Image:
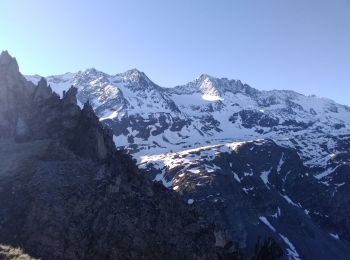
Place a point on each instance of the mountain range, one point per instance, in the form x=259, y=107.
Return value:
x=207, y=110
x=266, y=166
x=261, y=163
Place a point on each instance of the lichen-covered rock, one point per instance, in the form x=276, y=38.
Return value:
x=10, y=253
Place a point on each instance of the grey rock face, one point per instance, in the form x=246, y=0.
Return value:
x=91, y=139
x=251, y=118
x=42, y=91
x=21, y=131
x=70, y=97
x=13, y=93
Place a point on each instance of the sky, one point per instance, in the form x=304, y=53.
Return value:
x=272, y=44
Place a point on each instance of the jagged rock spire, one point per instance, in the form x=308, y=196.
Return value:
x=14, y=90
x=38, y=113
x=70, y=97
x=88, y=109
x=8, y=64
x=42, y=91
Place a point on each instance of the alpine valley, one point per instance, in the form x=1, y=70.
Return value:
x=270, y=166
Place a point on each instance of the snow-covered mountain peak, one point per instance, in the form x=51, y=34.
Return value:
x=213, y=89
x=203, y=77
x=90, y=71
x=133, y=74
x=137, y=85
x=90, y=74
x=204, y=84
x=136, y=80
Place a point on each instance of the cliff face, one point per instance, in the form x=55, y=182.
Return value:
x=13, y=94
x=29, y=112
x=66, y=193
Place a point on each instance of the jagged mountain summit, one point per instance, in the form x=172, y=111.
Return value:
x=261, y=163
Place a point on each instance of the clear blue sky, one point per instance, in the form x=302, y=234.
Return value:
x=302, y=45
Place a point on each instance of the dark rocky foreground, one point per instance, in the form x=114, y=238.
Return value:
x=58, y=205
x=66, y=193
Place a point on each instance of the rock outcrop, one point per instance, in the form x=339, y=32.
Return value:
x=13, y=95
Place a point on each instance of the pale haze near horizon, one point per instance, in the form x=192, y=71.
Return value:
x=290, y=44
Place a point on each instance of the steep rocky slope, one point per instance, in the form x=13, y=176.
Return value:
x=258, y=189
x=67, y=193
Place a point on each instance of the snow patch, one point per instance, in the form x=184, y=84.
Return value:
x=291, y=251
x=190, y=201
x=289, y=200
x=280, y=163
x=277, y=214
x=236, y=177
x=212, y=98
x=267, y=223
x=336, y=236
x=326, y=173
x=264, y=176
